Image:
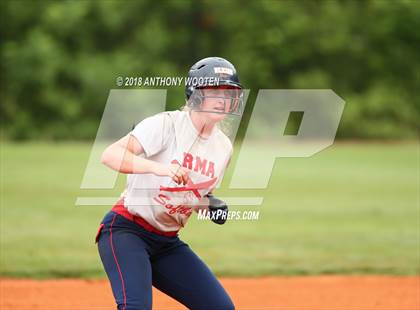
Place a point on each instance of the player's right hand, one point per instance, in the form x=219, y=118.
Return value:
x=179, y=174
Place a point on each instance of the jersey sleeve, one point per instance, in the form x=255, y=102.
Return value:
x=153, y=133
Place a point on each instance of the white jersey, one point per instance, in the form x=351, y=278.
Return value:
x=171, y=137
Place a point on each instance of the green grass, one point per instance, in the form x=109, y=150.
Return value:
x=351, y=209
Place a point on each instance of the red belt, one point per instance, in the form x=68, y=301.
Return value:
x=121, y=210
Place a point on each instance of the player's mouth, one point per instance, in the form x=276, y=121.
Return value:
x=219, y=109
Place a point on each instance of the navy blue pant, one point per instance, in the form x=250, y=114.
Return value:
x=135, y=259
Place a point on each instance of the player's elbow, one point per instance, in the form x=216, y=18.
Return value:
x=106, y=157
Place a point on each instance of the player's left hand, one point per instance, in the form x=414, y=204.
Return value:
x=218, y=209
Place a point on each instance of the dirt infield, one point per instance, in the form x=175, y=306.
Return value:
x=291, y=293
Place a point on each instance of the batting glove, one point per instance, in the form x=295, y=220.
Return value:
x=218, y=209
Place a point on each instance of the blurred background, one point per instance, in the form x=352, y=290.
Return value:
x=59, y=59
x=353, y=208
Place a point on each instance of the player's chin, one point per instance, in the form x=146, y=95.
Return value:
x=216, y=116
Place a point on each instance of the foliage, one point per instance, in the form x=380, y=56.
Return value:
x=60, y=58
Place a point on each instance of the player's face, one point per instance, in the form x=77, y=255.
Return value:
x=217, y=102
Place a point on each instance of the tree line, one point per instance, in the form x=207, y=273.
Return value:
x=60, y=58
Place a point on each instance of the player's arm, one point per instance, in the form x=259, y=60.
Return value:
x=122, y=156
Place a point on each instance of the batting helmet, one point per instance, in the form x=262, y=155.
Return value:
x=213, y=72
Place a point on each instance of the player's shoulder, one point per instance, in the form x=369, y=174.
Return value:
x=160, y=122
x=163, y=117
x=175, y=115
x=224, y=140
x=166, y=114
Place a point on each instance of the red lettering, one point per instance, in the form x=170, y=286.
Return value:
x=188, y=161
x=200, y=165
x=178, y=209
x=160, y=199
x=171, y=208
x=210, y=170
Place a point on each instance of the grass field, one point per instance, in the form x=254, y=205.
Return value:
x=351, y=209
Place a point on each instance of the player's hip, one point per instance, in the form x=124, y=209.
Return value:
x=115, y=226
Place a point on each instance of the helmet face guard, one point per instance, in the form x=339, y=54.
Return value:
x=222, y=100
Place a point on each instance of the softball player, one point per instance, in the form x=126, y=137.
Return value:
x=173, y=161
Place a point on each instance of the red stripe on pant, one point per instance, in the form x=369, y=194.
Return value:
x=116, y=261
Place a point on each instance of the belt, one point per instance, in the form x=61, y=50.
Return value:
x=121, y=210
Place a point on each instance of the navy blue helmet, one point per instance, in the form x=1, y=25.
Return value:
x=213, y=72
